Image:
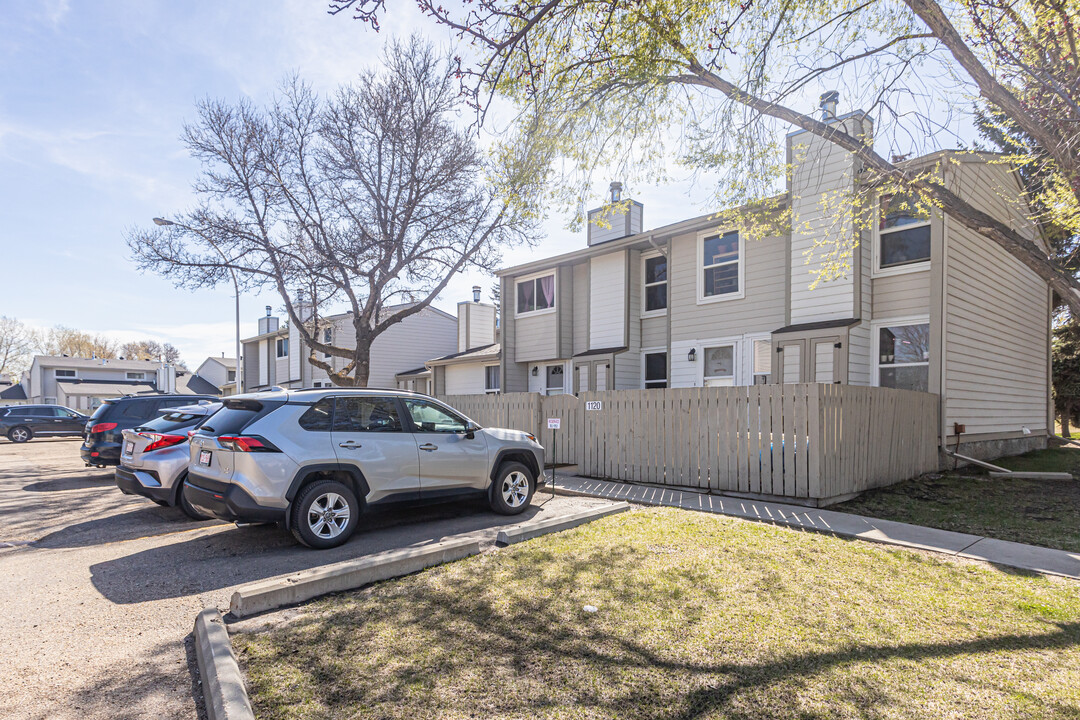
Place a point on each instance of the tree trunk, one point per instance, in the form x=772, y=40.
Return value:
x=1066, y=414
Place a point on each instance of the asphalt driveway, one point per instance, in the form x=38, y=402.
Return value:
x=99, y=590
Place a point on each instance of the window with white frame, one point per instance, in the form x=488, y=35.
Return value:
x=536, y=294
x=555, y=381
x=282, y=347
x=903, y=232
x=136, y=376
x=491, y=379
x=720, y=256
x=719, y=366
x=230, y=376
x=655, y=370
x=904, y=356
x=328, y=339
x=63, y=373
x=654, y=269
x=762, y=361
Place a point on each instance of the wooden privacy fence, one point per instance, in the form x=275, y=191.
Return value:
x=797, y=440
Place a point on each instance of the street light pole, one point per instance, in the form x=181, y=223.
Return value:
x=236, y=291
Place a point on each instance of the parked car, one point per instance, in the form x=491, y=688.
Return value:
x=316, y=459
x=154, y=457
x=105, y=428
x=21, y=423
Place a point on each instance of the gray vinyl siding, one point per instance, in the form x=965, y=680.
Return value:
x=581, y=308
x=251, y=364
x=902, y=295
x=607, y=300
x=535, y=338
x=628, y=371
x=633, y=313
x=564, y=309
x=761, y=309
x=514, y=374
x=996, y=322
x=654, y=331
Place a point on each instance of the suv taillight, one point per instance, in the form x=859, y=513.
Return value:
x=246, y=443
x=102, y=427
x=157, y=442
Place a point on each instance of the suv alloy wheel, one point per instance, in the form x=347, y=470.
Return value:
x=513, y=488
x=19, y=434
x=325, y=514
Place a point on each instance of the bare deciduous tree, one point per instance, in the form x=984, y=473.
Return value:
x=373, y=199
x=62, y=340
x=151, y=350
x=16, y=347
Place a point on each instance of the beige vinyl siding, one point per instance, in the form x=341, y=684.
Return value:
x=607, y=300
x=564, y=309
x=859, y=369
x=902, y=295
x=599, y=234
x=760, y=310
x=996, y=324
x=859, y=355
x=409, y=344
x=251, y=364
x=514, y=373
x=821, y=185
x=654, y=331
x=462, y=329
x=535, y=338
x=633, y=298
x=466, y=379
x=628, y=371
x=281, y=364
x=581, y=307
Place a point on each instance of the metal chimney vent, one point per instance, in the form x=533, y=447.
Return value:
x=827, y=103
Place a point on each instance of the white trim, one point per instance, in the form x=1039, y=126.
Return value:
x=648, y=255
x=875, y=343
x=876, y=270
x=555, y=293
x=129, y=373
x=699, y=249
x=667, y=364
x=65, y=377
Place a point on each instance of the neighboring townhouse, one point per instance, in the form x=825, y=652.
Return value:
x=83, y=383
x=12, y=391
x=925, y=305
x=278, y=356
x=215, y=376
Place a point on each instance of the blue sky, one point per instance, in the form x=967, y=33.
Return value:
x=93, y=96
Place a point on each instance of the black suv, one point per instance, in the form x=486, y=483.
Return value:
x=105, y=429
x=20, y=423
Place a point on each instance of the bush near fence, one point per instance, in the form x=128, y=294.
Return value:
x=799, y=440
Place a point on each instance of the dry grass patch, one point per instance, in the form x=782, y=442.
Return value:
x=698, y=616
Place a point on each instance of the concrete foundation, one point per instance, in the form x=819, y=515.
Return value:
x=991, y=449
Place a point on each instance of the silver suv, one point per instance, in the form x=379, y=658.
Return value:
x=154, y=456
x=315, y=459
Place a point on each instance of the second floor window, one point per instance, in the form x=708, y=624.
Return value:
x=536, y=294
x=328, y=339
x=903, y=232
x=720, y=258
x=655, y=283
x=136, y=376
x=283, y=347
x=64, y=373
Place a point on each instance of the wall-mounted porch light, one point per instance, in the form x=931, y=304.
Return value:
x=692, y=355
x=536, y=370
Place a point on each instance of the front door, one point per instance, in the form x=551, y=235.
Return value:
x=368, y=433
x=450, y=460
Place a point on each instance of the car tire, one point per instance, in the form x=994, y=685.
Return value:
x=311, y=525
x=20, y=434
x=513, y=488
x=186, y=506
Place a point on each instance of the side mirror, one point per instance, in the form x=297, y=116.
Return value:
x=470, y=431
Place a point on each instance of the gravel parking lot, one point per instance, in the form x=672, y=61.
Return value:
x=100, y=589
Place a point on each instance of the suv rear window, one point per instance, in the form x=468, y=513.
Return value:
x=102, y=410
x=173, y=421
x=235, y=416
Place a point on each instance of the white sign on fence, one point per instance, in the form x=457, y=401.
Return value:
x=594, y=405
x=553, y=423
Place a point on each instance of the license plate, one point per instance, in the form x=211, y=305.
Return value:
x=129, y=447
x=204, y=458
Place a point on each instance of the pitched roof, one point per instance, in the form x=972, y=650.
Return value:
x=78, y=362
x=114, y=389
x=196, y=385
x=486, y=352
x=13, y=392
x=414, y=371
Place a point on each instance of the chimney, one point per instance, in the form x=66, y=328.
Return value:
x=476, y=293
x=612, y=223
x=267, y=323
x=827, y=102
x=476, y=323
x=267, y=311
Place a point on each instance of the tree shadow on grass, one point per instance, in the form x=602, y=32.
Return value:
x=415, y=648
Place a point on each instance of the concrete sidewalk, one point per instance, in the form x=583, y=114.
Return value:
x=1000, y=552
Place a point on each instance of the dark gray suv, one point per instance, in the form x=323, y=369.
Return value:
x=21, y=423
x=315, y=459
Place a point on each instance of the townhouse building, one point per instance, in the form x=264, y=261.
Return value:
x=923, y=304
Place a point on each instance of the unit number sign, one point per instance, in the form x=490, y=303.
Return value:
x=594, y=405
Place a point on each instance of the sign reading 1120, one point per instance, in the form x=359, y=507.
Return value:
x=594, y=405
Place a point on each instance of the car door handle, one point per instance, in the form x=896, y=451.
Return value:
x=350, y=445
x=429, y=447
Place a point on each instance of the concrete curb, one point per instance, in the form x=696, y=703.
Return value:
x=520, y=533
x=223, y=688
x=292, y=589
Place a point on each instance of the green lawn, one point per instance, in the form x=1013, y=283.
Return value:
x=1039, y=512
x=699, y=616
